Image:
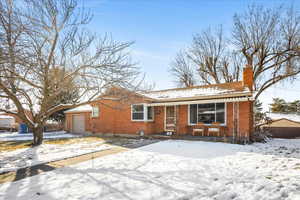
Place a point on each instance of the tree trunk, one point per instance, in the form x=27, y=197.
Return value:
x=38, y=136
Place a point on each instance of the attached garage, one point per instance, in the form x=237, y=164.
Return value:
x=78, y=119
x=78, y=123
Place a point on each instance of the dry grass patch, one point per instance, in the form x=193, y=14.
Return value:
x=74, y=140
x=14, y=145
x=117, y=141
x=11, y=145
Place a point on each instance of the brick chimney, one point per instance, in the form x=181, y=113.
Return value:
x=248, y=77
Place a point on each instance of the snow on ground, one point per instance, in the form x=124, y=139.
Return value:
x=184, y=170
x=25, y=157
x=15, y=136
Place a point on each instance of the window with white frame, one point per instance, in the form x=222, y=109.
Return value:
x=137, y=112
x=140, y=112
x=150, y=113
x=207, y=113
x=95, y=111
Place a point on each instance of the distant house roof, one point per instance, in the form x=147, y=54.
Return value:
x=200, y=92
x=83, y=108
x=3, y=116
x=276, y=116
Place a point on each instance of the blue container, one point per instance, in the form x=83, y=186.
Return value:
x=23, y=128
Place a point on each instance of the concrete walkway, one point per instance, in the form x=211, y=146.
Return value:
x=45, y=167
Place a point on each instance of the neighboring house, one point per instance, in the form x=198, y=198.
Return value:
x=225, y=108
x=6, y=121
x=9, y=121
x=283, y=125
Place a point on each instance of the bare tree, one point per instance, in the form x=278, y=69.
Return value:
x=38, y=37
x=266, y=39
x=269, y=39
x=209, y=58
x=183, y=71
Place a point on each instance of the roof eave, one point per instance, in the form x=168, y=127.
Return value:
x=77, y=111
x=240, y=94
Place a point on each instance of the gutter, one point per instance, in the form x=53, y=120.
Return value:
x=220, y=100
x=243, y=94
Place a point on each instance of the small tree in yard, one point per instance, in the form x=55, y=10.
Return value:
x=278, y=105
x=259, y=115
x=41, y=38
x=281, y=106
x=266, y=39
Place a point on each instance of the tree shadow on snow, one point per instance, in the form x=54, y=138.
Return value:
x=15, y=190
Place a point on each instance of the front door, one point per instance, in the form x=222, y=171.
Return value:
x=170, y=121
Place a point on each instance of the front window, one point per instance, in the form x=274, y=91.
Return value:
x=150, y=113
x=137, y=112
x=207, y=113
x=141, y=112
x=95, y=111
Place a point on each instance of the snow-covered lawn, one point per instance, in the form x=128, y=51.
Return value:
x=15, y=136
x=174, y=170
x=25, y=157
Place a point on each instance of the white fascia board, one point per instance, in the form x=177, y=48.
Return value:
x=238, y=99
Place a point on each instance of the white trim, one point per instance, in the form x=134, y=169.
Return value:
x=238, y=119
x=238, y=99
x=153, y=113
x=165, y=118
x=225, y=114
x=203, y=97
x=93, y=111
x=145, y=113
x=138, y=120
x=225, y=120
x=145, y=110
x=188, y=122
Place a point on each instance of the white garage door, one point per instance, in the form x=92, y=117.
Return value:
x=78, y=124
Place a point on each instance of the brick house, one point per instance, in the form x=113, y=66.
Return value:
x=223, y=110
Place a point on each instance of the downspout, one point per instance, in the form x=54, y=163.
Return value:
x=234, y=122
x=176, y=114
x=238, y=121
x=233, y=118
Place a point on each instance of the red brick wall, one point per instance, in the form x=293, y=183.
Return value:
x=159, y=116
x=182, y=119
x=116, y=118
x=229, y=119
x=248, y=77
x=245, y=118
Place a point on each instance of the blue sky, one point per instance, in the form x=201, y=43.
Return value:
x=160, y=28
